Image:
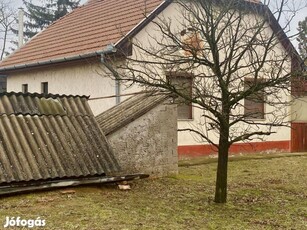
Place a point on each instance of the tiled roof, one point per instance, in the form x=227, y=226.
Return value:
x=41, y=144
x=87, y=29
x=129, y=110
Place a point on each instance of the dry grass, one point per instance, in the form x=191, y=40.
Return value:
x=263, y=194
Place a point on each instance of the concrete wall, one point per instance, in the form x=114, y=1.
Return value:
x=149, y=143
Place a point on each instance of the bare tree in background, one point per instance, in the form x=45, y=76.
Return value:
x=302, y=38
x=222, y=57
x=7, y=19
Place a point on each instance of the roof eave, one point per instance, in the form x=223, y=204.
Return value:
x=282, y=36
x=285, y=41
x=109, y=49
x=143, y=23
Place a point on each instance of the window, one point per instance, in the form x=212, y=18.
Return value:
x=2, y=84
x=183, y=84
x=254, y=104
x=24, y=88
x=44, y=87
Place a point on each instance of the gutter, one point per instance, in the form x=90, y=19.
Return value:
x=109, y=49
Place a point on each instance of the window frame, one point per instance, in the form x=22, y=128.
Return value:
x=45, y=88
x=24, y=88
x=183, y=75
x=3, y=82
x=261, y=104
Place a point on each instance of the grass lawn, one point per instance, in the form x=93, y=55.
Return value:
x=264, y=193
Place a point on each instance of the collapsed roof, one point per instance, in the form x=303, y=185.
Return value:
x=52, y=137
x=129, y=110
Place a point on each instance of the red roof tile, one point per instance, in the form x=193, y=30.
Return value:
x=98, y=23
x=87, y=29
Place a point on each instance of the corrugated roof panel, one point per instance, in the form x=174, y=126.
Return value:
x=128, y=110
x=38, y=104
x=50, y=147
x=52, y=137
x=5, y=105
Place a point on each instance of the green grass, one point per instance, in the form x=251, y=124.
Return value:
x=263, y=194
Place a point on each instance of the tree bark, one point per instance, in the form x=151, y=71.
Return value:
x=222, y=165
x=221, y=175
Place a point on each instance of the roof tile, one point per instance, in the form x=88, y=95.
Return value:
x=87, y=29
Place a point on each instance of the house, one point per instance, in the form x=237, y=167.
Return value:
x=69, y=58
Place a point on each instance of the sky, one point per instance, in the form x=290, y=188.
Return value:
x=293, y=26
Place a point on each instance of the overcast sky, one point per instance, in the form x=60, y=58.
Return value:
x=293, y=27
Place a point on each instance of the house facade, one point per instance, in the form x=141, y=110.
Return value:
x=69, y=58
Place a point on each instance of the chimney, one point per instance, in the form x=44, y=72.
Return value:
x=20, y=27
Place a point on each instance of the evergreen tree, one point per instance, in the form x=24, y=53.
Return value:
x=40, y=16
x=302, y=38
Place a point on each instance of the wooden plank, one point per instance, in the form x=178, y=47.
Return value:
x=38, y=186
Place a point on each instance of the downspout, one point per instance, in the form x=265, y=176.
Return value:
x=109, y=49
x=112, y=49
x=117, y=91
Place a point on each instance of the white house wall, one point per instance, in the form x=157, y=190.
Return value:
x=79, y=79
x=84, y=80
x=147, y=37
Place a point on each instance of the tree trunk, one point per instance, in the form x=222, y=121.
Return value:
x=221, y=175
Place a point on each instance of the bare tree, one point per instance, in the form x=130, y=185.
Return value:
x=7, y=19
x=302, y=37
x=230, y=59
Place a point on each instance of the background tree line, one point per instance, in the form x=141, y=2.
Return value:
x=37, y=17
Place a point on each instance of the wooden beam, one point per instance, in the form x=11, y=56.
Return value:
x=38, y=186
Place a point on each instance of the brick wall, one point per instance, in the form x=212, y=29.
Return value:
x=149, y=143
